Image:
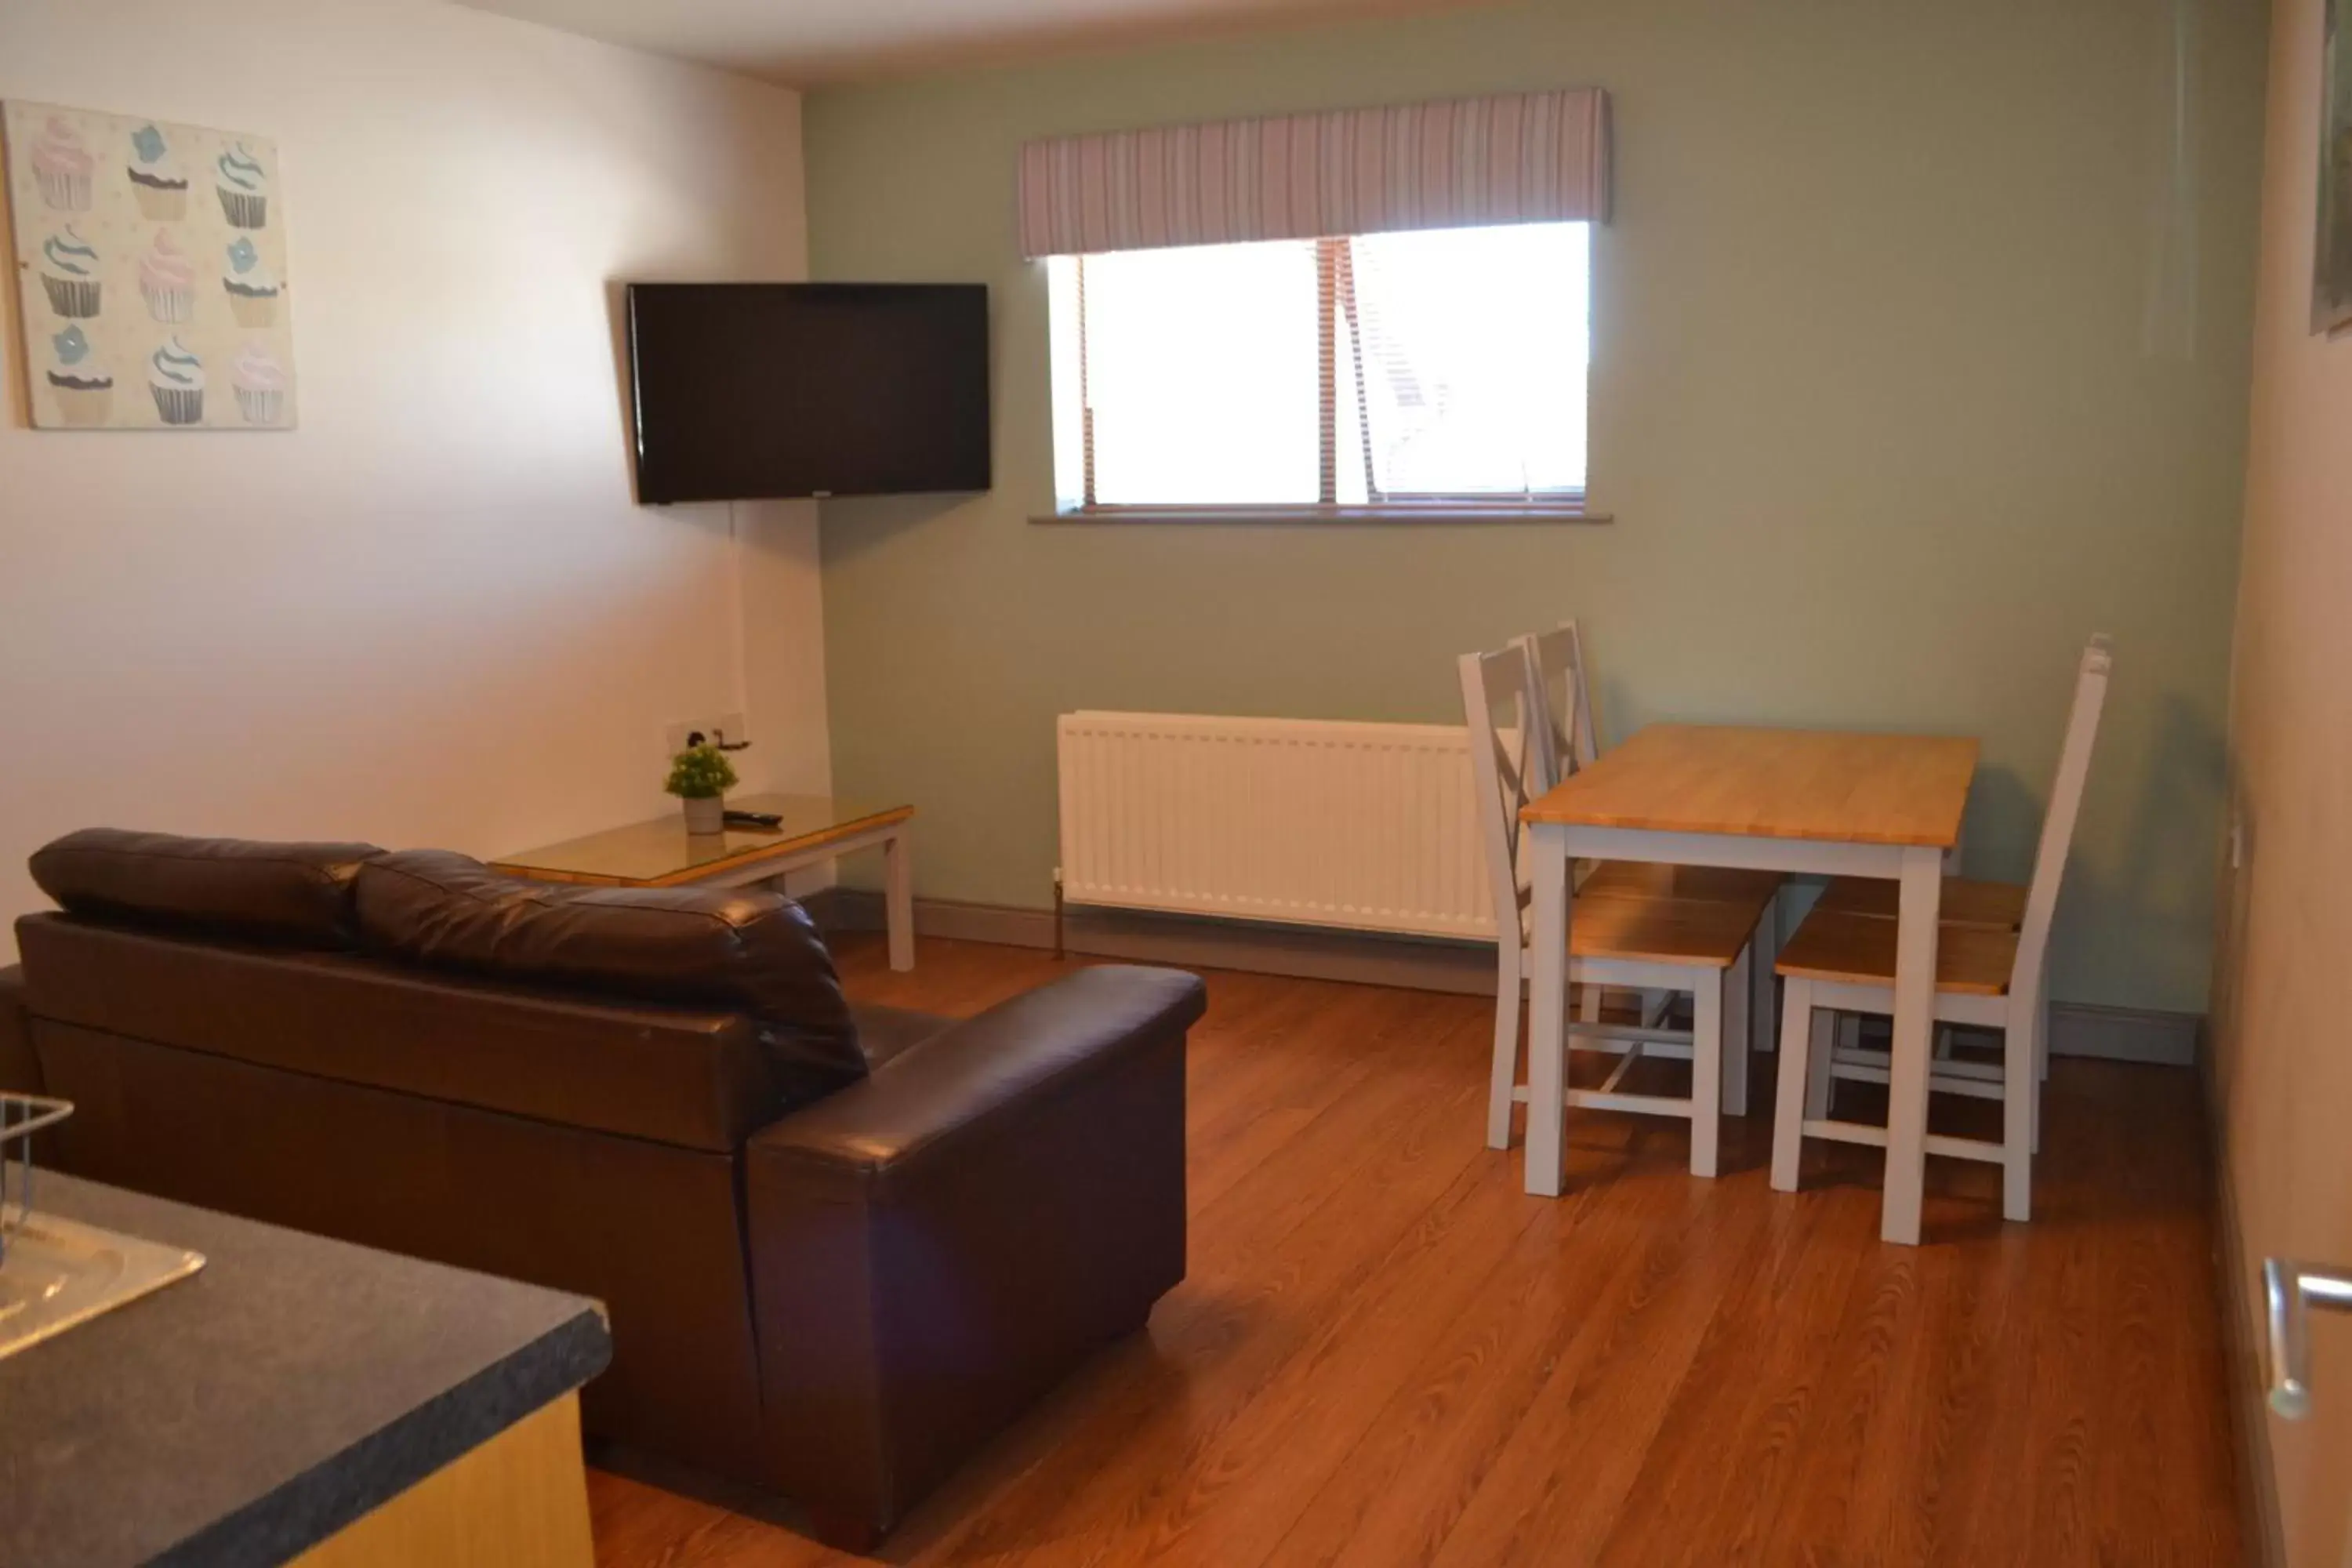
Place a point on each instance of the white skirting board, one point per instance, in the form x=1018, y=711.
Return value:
x=2125, y=1034
x=1366, y=958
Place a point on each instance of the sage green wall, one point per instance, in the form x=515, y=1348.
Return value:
x=1917, y=360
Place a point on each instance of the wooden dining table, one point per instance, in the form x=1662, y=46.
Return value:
x=1801, y=801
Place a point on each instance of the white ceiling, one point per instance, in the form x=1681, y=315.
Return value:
x=801, y=42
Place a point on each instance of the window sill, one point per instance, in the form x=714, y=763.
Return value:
x=1536, y=512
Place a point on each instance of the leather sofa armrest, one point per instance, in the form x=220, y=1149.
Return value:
x=20, y=1069
x=952, y=1085
x=934, y=1249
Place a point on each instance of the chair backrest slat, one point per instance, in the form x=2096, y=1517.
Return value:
x=2065, y=806
x=1559, y=699
x=1502, y=764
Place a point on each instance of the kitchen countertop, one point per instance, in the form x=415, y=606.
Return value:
x=247, y=1413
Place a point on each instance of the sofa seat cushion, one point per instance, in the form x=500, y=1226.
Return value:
x=298, y=895
x=753, y=953
x=696, y=1077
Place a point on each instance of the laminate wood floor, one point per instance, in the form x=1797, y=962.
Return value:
x=1386, y=1352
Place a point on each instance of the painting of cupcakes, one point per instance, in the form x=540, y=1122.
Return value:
x=261, y=385
x=62, y=166
x=244, y=188
x=69, y=271
x=140, y=288
x=252, y=288
x=176, y=377
x=167, y=280
x=157, y=180
x=83, y=389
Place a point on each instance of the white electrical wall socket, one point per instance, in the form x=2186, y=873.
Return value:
x=719, y=729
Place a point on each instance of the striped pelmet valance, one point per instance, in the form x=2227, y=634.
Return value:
x=1530, y=157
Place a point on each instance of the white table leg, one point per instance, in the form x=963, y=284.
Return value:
x=1710, y=1040
x=1915, y=1021
x=1790, y=1108
x=1548, y=1014
x=899, y=898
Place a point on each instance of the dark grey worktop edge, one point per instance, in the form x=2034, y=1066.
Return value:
x=379, y=1466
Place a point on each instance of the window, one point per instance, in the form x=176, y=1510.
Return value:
x=1437, y=371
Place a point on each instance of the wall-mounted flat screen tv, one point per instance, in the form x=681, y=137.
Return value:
x=745, y=390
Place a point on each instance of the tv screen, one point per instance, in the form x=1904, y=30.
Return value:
x=745, y=390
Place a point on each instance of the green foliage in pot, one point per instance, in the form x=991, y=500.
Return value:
x=700, y=773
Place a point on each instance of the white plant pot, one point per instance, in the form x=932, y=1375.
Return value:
x=707, y=814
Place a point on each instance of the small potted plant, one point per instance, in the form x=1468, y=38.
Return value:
x=700, y=777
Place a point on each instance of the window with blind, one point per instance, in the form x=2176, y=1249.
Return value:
x=1439, y=372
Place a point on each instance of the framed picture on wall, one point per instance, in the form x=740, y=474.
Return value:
x=151, y=264
x=2331, y=275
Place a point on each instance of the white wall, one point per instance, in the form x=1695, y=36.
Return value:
x=434, y=613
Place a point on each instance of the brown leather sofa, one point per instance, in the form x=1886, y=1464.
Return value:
x=841, y=1247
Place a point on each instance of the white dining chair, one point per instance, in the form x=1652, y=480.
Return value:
x=1565, y=737
x=1988, y=976
x=1636, y=940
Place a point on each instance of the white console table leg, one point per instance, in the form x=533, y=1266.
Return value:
x=899, y=898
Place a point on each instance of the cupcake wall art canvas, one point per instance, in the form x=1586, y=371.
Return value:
x=151, y=259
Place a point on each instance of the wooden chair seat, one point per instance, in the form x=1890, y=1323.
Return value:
x=1656, y=880
x=1697, y=934
x=1966, y=902
x=1859, y=950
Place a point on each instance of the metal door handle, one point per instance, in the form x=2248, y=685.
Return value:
x=2291, y=1289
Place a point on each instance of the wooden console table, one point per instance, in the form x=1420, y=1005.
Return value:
x=815, y=829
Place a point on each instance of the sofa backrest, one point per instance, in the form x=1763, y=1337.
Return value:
x=582, y=1145
x=295, y=895
x=697, y=1077
x=687, y=1015
x=753, y=952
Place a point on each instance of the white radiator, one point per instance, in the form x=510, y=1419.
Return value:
x=1370, y=827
